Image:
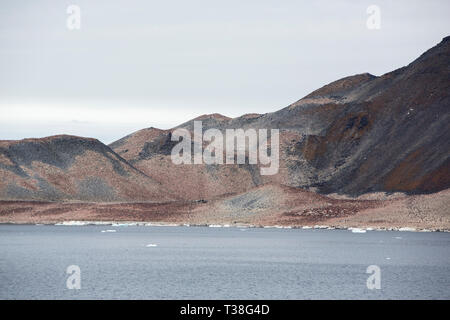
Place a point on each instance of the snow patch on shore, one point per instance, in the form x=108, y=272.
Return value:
x=162, y=224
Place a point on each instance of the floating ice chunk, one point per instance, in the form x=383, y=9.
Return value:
x=306, y=227
x=398, y=238
x=215, y=226
x=151, y=245
x=320, y=227
x=109, y=230
x=357, y=230
x=72, y=223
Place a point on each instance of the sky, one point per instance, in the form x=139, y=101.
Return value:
x=135, y=64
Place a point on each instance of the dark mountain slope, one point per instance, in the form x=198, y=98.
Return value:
x=71, y=168
x=355, y=135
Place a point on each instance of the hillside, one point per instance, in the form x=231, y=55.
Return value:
x=360, y=151
x=62, y=168
x=356, y=135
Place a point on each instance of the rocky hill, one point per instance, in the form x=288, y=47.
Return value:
x=356, y=135
x=71, y=168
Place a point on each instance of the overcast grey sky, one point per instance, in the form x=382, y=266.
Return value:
x=135, y=64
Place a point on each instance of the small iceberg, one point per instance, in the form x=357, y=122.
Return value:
x=109, y=230
x=215, y=226
x=72, y=223
x=151, y=245
x=306, y=227
x=357, y=230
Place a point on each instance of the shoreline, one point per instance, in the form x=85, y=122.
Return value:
x=121, y=224
x=297, y=210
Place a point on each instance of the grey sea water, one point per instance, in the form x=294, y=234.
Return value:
x=220, y=263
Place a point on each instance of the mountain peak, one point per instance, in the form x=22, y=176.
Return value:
x=216, y=116
x=49, y=139
x=343, y=85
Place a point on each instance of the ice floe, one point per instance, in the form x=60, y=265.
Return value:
x=72, y=223
x=357, y=230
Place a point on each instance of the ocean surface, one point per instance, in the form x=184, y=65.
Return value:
x=139, y=262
